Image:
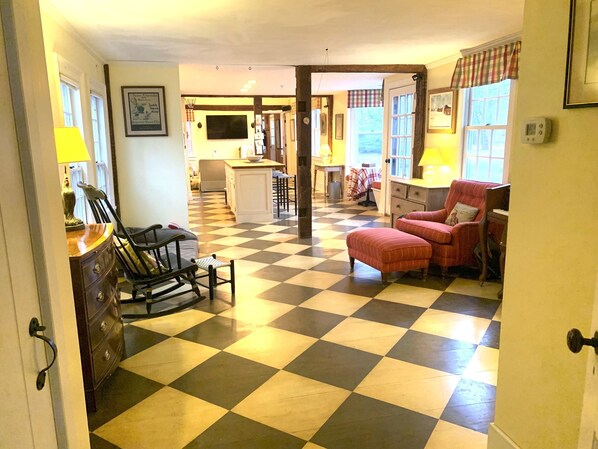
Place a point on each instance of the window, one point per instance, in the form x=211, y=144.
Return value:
x=401, y=131
x=315, y=132
x=99, y=143
x=486, y=123
x=365, y=138
x=71, y=107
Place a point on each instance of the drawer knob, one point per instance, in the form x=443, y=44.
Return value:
x=107, y=356
x=416, y=193
x=100, y=296
x=97, y=268
x=103, y=326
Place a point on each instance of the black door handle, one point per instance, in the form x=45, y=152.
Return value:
x=387, y=161
x=34, y=328
x=576, y=341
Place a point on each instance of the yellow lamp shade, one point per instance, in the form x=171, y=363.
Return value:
x=431, y=156
x=70, y=146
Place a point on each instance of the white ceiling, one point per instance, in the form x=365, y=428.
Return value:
x=221, y=44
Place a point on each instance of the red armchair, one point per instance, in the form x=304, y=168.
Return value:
x=451, y=245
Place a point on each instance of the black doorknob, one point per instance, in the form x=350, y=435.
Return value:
x=387, y=161
x=576, y=341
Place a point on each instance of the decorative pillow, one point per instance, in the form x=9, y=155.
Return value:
x=130, y=256
x=461, y=213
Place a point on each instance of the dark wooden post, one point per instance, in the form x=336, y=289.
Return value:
x=303, y=99
x=257, y=110
x=419, y=131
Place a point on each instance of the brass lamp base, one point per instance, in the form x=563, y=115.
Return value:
x=71, y=223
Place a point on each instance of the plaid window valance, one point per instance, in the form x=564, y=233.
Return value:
x=189, y=114
x=365, y=98
x=487, y=67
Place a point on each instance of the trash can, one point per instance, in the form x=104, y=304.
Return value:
x=334, y=190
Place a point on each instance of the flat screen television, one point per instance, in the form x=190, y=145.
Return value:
x=226, y=126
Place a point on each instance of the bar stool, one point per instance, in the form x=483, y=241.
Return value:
x=283, y=185
x=211, y=265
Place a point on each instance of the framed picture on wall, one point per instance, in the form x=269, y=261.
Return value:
x=581, y=74
x=323, y=124
x=338, y=126
x=144, y=110
x=442, y=110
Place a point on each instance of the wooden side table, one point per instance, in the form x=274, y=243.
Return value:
x=328, y=168
x=97, y=306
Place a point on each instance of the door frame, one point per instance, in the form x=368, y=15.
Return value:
x=39, y=177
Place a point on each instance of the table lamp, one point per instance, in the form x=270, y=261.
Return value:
x=430, y=159
x=326, y=153
x=70, y=147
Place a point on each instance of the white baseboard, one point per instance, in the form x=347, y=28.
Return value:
x=497, y=439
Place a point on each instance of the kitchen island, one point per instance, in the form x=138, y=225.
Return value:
x=249, y=188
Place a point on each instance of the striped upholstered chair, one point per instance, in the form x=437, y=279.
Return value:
x=452, y=245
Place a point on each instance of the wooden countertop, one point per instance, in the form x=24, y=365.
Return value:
x=244, y=163
x=81, y=242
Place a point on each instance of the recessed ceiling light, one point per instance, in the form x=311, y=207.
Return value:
x=247, y=86
x=251, y=82
x=243, y=90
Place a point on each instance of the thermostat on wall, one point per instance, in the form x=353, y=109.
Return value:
x=536, y=130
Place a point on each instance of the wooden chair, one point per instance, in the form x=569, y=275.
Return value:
x=153, y=267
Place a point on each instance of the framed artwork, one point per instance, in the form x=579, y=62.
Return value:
x=292, y=130
x=144, y=110
x=442, y=110
x=338, y=126
x=581, y=75
x=323, y=124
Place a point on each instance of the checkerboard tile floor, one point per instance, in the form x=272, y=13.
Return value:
x=308, y=355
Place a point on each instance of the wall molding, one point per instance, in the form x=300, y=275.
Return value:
x=497, y=439
x=492, y=44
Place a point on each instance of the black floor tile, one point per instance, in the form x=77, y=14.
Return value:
x=471, y=405
x=359, y=286
x=492, y=336
x=375, y=224
x=467, y=305
x=204, y=238
x=333, y=266
x=388, y=312
x=318, y=251
x=435, y=352
x=268, y=257
x=218, y=332
x=247, y=225
x=432, y=281
x=276, y=273
x=362, y=422
x=138, y=339
x=209, y=248
x=124, y=390
x=249, y=234
x=99, y=443
x=258, y=244
x=289, y=293
x=334, y=364
x=312, y=323
x=305, y=241
x=224, y=379
x=221, y=302
x=237, y=432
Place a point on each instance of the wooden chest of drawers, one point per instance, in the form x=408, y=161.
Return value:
x=97, y=306
x=411, y=195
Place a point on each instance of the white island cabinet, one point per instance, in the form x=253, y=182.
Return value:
x=249, y=189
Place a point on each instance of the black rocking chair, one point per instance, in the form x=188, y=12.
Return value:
x=155, y=269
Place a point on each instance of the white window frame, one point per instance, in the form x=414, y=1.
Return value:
x=399, y=91
x=315, y=132
x=100, y=142
x=467, y=111
x=70, y=93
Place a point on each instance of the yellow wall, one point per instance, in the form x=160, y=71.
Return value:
x=152, y=176
x=552, y=248
x=439, y=76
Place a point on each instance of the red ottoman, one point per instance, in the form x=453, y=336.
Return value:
x=388, y=250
